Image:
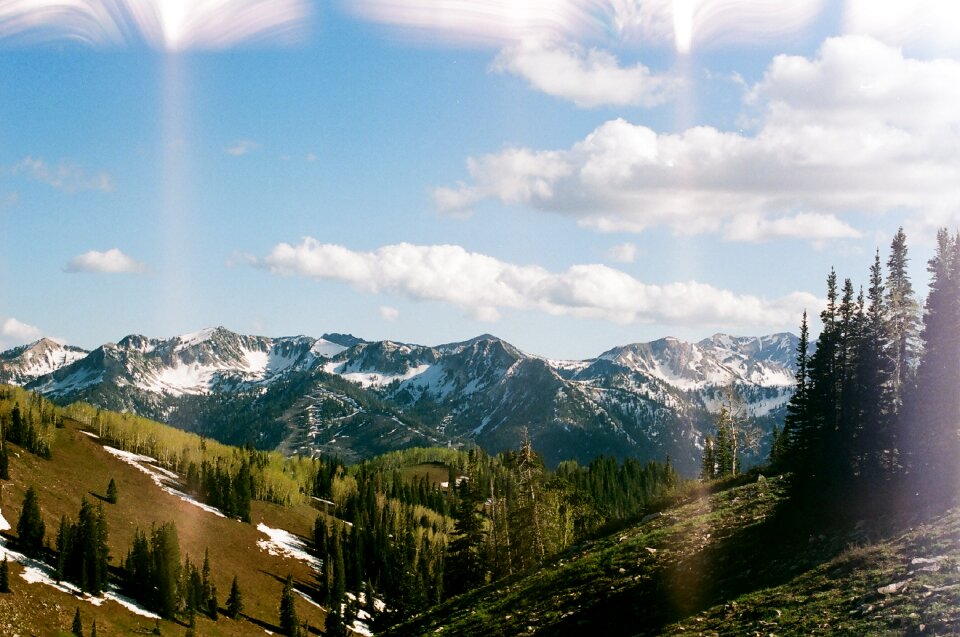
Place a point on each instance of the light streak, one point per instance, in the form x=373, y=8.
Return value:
x=168, y=25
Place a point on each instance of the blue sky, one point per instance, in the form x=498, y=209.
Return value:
x=567, y=175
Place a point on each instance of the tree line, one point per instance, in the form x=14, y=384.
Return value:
x=876, y=409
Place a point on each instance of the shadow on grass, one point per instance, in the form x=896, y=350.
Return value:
x=768, y=553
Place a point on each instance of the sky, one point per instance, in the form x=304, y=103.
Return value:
x=567, y=175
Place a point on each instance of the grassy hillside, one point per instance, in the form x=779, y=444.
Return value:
x=732, y=562
x=80, y=467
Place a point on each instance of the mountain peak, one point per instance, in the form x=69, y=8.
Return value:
x=204, y=335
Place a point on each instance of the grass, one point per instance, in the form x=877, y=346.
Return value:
x=81, y=468
x=733, y=561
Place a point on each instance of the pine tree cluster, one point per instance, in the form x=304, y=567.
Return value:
x=216, y=485
x=876, y=408
x=82, y=551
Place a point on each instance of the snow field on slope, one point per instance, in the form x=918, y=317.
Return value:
x=37, y=572
x=160, y=476
x=286, y=544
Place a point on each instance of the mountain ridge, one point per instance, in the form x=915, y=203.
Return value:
x=646, y=400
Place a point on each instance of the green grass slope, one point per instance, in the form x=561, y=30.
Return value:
x=82, y=468
x=734, y=562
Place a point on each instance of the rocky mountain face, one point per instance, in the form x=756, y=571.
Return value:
x=23, y=364
x=340, y=394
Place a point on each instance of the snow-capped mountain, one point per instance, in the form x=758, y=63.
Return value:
x=338, y=393
x=22, y=364
x=204, y=362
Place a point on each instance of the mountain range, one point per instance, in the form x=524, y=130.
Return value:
x=339, y=394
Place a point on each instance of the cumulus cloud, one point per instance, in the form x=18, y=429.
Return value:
x=588, y=78
x=112, y=261
x=14, y=332
x=65, y=177
x=388, y=313
x=241, y=147
x=860, y=128
x=172, y=26
x=483, y=286
x=927, y=25
x=623, y=253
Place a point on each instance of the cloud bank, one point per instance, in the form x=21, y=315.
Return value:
x=482, y=286
x=860, y=128
x=112, y=261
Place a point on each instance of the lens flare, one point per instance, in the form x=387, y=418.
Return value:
x=170, y=25
x=683, y=25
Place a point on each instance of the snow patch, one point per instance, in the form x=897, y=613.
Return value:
x=325, y=349
x=375, y=379
x=161, y=477
x=37, y=572
x=286, y=544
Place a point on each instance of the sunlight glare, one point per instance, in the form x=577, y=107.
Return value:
x=683, y=25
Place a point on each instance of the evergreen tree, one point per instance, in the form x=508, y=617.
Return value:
x=876, y=445
x=4, y=575
x=112, y=494
x=797, y=422
x=213, y=603
x=241, y=491
x=708, y=464
x=723, y=445
x=165, y=556
x=339, y=591
x=464, y=562
x=93, y=629
x=934, y=406
x=289, y=624
x=30, y=526
x=138, y=570
x=64, y=547
x=234, y=600
x=77, y=628
x=4, y=461
x=902, y=318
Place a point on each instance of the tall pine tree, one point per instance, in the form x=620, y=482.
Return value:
x=30, y=526
x=933, y=417
x=289, y=623
x=902, y=319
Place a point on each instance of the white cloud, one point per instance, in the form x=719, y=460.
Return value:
x=172, y=26
x=809, y=226
x=14, y=332
x=859, y=129
x=623, y=253
x=927, y=25
x=588, y=78
x=112, y=261
x=65, y=177
x=241, y=147
x=482, y=286
x=388, y=313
